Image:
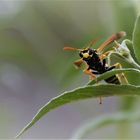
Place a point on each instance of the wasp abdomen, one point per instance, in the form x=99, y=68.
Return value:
x=113, y=80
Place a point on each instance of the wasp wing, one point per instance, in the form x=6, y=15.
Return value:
x=110, y=40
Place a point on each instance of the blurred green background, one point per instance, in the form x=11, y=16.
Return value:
x=34, y=68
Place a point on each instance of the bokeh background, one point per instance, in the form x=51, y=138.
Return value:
x=34, y=68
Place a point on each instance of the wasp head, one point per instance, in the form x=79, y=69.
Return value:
x=86, y=53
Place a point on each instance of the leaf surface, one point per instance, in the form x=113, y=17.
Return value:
x=105, y=120
x=81, y=93
x=136, y=38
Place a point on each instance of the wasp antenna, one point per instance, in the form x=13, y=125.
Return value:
x=70, y=48
x=120, y=34
x=93, y=42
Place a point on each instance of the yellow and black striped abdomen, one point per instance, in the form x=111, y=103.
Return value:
x=113, y=80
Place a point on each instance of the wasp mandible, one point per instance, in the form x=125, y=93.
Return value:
x=95, y=60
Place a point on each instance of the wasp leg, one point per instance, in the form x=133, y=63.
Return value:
x=89, y=72
x=122, y=78
x=105, y=55
x=92, y=77
x=78, y=63
x=111, y=68
x=95, y=72
x=104, y=62
x=100, y=100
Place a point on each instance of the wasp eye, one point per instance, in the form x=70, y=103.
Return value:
x=85, y=51
x=80, y=54
x=90, y=51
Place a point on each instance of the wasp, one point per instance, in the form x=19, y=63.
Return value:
x=95, y=60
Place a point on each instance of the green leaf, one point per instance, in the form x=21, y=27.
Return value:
x=129, y=44
x=136, y=38
x=111, y=73
x=123, y=60
x=81, y=93
x=116, y=118
x=133, y=78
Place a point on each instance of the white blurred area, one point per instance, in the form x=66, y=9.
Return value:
x=46, y=26
x=9, y=8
